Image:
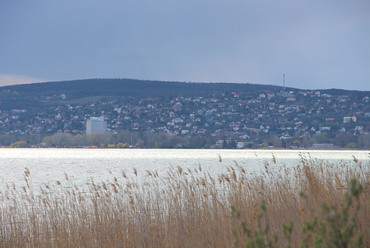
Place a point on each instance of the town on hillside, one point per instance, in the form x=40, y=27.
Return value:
x=265, y=119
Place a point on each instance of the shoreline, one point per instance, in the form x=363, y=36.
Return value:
x=235, y=149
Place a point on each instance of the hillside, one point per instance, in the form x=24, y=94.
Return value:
x=39, y=94
x=176, y=114
x=45, y=94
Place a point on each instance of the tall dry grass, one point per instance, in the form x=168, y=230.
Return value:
x=185, y=208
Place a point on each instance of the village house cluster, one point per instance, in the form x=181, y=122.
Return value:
x=296, y=118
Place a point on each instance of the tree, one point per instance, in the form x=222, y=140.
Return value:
x=97, y=139
x=19, y=144
x=125, y=136
x=344, y=139
x=363, y=141
x=320, y=138
x=276, y=142
x=79, y=140
x=122, y=145
x=59, y=140
x=351, y=145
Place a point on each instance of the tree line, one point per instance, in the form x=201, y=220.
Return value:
x=147, y=139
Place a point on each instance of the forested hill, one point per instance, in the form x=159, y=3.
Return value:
x=131, y=87
x=41, y=94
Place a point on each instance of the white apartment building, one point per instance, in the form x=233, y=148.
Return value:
x=96, y=125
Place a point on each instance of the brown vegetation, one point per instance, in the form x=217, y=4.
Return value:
x=185, y=208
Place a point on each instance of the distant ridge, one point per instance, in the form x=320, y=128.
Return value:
x=39, y=94
x=132, y=87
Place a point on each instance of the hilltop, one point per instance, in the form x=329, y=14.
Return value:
x=41, y=94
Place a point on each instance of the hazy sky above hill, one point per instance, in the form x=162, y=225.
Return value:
x=316, y=43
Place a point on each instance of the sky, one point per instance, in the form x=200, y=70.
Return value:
x=317, y=44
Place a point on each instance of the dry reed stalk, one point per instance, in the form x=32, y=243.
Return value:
x=185, y=208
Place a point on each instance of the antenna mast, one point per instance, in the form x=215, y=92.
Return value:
x=284, y=81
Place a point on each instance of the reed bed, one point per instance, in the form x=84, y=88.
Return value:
x=184, y=208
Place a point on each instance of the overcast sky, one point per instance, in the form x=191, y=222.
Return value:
x=316, y=43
